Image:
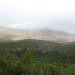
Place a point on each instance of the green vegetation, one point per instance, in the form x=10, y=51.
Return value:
x=32, y=57
x=27, y=65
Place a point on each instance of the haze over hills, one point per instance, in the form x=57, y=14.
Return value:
x=14, y=34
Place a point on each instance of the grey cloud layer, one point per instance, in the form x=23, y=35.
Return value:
x=38, y=18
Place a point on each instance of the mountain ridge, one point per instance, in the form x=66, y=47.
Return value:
x=14, y=34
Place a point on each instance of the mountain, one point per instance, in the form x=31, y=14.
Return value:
x=14, y=34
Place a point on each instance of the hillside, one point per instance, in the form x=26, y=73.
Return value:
x=56, y=52
x=14, y=34
x=37, y=57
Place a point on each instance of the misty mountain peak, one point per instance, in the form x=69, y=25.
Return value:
x=38, y=34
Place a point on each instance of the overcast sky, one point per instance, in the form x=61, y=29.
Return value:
x=29, y=14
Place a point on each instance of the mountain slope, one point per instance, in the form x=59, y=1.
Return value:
x=14, y=34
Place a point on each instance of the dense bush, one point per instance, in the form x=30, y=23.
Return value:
x=10, y=64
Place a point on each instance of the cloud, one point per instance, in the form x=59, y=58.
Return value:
x=57, y=14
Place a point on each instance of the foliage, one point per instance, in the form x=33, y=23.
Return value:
x=10, y=64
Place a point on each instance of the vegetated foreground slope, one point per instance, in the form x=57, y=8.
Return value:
x=36, y=57
x=55, y=52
